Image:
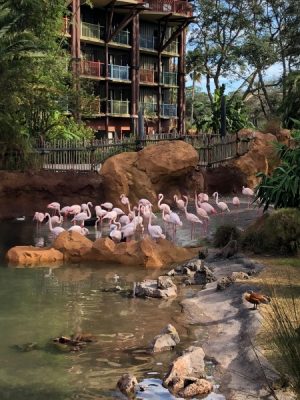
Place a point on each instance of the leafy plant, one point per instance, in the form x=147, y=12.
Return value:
x=282, y=188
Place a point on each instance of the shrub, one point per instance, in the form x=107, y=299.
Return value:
x=277, y=233
x=224, y=233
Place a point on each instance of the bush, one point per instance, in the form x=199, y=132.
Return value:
x=224, y=234
x=277, y=233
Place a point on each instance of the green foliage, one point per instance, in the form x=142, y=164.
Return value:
x=236, y=117
x=291, y=103
x=67, y=128
x=282, y=188
x=224, y=234
x=275, y=233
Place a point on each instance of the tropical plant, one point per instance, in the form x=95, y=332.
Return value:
x=282, y=188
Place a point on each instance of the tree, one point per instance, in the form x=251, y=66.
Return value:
x=195, y=70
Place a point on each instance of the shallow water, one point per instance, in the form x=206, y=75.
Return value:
x=39, y=304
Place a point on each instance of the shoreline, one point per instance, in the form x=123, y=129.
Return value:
x=232, y=328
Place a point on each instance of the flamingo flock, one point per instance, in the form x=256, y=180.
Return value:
x=137, y=220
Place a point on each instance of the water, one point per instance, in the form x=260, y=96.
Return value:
x=39, y=304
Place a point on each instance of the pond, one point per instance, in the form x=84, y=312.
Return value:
x=39, y=304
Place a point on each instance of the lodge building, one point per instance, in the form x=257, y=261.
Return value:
x=132, y=55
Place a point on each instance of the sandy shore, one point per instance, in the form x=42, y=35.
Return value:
x=232, y=327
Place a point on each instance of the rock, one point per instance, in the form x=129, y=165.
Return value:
x=195, y=387
x=172, y=272
x=160, y=168
x=148, y=288
x=229, y=250
x=186, y=271
x=29, y=255
x=73, y=245
x=204, y=275
x=164, y=282
x=225, y=282
x=203, y=253
x=166, y=340
x=194, y=265
x=127, y=385
x=239, y=275
x=191, y=363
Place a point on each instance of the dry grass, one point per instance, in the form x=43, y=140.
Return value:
x=278, y=338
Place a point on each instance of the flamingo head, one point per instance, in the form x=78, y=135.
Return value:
x=90, y=204
x=214, y=194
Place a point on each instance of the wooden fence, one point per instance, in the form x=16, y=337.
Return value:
x=84, y=156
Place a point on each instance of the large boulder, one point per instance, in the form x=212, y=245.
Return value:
x=166, y=340
x=127, y=385
x=162, y=167
x=260, y=158
x=153, y=288
x=30, y=255
x=73, y=245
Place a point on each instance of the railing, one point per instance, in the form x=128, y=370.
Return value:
x=149, y=108
x=118, y=107
x=168, y=110
x=169, y=78
x=150, y=43
x=122, y=37
x=170, y=6
x=92, y=68
x=91, y=106
x=86, y=155
x=120, y=72
x=172, y=48
x=66, y=26
x=148, y=75
x=92, y=30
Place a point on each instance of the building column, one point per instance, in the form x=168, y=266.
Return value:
x=76, y=55
x=181, y=84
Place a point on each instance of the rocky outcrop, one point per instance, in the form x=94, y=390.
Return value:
x=166, y=340
x=195, y=387
x=127, y=385
x=203, y=276
x=188, y=366
x=31, y=256
x=154, y=288
x=260, y=158
x=157, y=168
x=71, y=246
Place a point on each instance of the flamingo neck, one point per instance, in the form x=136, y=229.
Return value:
x=88, y=211
x=217, y=197
x=49, y=220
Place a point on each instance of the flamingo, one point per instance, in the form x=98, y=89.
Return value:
x=124, y=199
x=75, y=209
x=249, y=193
x=191, y=217
x=84, y=206
x=65, y=210
x=236, y=201
x=100, y=213
x=179, y=203
x=145, y=202
x=55, y=220
x=55, y=231
x=55, y=207
x=39, y=218
x=222, y=206
x=124, y=220
x=175, y=221
x=163, y=206
x=206, y=206
x=166, y=219
x=83, y=216
x=118, y=211
x=79, y=229
x=203, y=197
x=115, y=233
x=201, y=212
x=111, y=215
x=107, y=205
x=155, y=231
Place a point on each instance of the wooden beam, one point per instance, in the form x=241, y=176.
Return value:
x=126, y=20
x=175, y=34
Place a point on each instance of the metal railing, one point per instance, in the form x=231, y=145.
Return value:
x=149, y=108
x=169, y=78
x=119, y=72
x=150, y=43
x=92, y=68
x=87, y=155
x=118, y=107
x=122, y=37
x=148, y=75
x=168, y=110
x=94, y=31
x=170, y=6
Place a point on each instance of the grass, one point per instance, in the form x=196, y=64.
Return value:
x=278, y=337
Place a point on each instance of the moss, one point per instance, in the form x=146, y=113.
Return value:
x=224, y=233
x=276, y=233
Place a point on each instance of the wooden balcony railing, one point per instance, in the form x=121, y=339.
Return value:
x=66, y=26
x=170, y=6
x=148, y=76
x=92, y=68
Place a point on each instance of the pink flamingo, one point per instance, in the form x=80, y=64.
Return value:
x=145, y=202
x=115, y=233
x=155, y=231
x=249, y=193
x=110, y=215
x=203, y=197
x=179, y=203
x=83, y=216
x=39, y=218
x=84, y=206
x=236, y=201
x=201, y=213
x=55, y=207
x=175, y=221
x=124, y=199
x=163, y=206
x=79, y=229
x=191, y=217
x=221, y=204
x=207, y=207
x=75, y=209
x=55, y=220
x=100, y=213
x=55, y=231
x=166, y=219
x=65, y=211
x=107, y=205
x=124, y=220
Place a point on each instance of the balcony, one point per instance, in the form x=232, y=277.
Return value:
x=172, y=48
x=118, y=72
x=92, y=68
x=148, y=76
x=91, y=106
x=149, y=108
x=66, y=27
x=168, y=110
x=92, y=31
x=150, y=43
x=170, y=6
x=169, y=78
x=118, y=107
x=122, y=37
